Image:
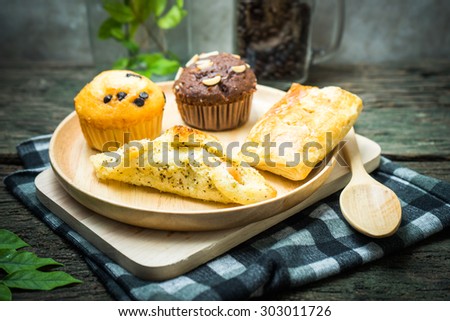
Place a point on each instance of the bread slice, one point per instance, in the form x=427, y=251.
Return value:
x=301, y=128
x=186, y=162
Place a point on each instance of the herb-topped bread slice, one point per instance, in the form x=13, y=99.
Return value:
x=186, y=162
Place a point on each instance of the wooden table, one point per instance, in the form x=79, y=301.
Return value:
x=407, y=111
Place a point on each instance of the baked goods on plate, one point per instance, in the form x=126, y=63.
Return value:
x=214, y=91
x=148, y=207
x=298, y=131
x=186, y=162
x=118, y=106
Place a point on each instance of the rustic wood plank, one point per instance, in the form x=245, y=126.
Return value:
x=34, y=100
x=406, y=109
x=424, y=139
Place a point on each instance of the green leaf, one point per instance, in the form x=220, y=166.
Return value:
x=118, y=10
x=149, y=59
x=158, y=7
x=164, y=67
x=121, y=63
x=158, y=64
x=5, y=293
x=12, y=261
x=108, y=28
x=118, y=34
x=180, y=3
x=145, y=73
x=134, y=25
x=172, y=18
x=38, y=280
x=142, y=9
x=10, y=241
x=131, y=46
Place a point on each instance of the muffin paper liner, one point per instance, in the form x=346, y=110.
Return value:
x=216, y=117
x=110, y=139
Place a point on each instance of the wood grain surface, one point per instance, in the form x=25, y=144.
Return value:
x=407, y=111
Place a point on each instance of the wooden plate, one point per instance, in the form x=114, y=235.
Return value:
x=147, y=207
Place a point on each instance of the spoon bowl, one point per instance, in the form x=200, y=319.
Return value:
x=370, y=207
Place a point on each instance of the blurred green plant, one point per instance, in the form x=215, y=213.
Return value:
x=154, y=17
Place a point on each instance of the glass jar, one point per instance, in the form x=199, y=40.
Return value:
x=274, y=37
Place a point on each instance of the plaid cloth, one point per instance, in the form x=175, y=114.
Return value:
x=309, y=246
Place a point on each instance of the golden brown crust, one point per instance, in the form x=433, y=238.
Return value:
x=184, y=171
x=310, y=122
x=118, y=106
x=184, y=133
x=113, y=100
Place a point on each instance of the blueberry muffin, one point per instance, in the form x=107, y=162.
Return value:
x=118, y=106
x=214, y=91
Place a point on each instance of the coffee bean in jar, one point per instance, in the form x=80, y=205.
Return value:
x=274, y=38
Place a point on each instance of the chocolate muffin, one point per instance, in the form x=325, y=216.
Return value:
x=214, y=91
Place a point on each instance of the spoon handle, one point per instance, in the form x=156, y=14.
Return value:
x=352, y=154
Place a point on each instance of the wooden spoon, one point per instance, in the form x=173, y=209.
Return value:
x=370, y=207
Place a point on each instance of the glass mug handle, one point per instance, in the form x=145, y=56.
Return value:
x=322, y=54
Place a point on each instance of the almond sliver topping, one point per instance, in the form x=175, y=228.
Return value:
x=202, y=64
x=238, y=69
x=208, y=54
x=192, y=60
x=180, y=70
x=211, y=81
